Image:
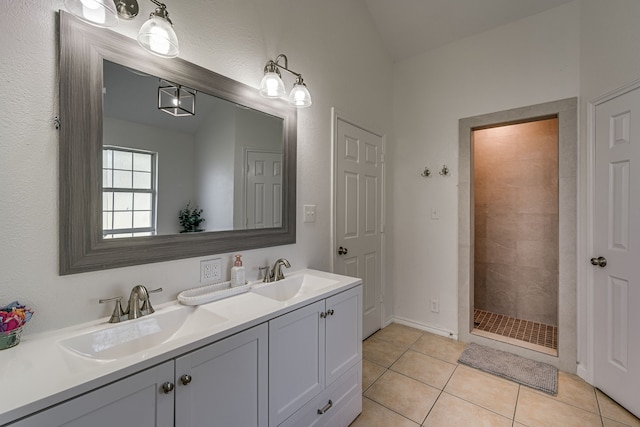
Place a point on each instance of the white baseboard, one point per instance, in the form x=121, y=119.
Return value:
x=423, y=327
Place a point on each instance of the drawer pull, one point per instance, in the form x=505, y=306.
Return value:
x=325, y=408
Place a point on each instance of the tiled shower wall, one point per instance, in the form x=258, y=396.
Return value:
x=515, y=184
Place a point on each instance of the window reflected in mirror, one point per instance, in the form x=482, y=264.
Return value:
x=128, y=192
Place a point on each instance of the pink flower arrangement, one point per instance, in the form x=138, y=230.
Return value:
x=13, y=316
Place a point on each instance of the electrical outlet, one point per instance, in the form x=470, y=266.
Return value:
x=435, y=305
x=210, y=270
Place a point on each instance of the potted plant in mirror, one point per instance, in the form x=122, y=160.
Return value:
x=190, y=219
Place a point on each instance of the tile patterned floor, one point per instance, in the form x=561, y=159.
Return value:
x=412, y=378
x=523, y=330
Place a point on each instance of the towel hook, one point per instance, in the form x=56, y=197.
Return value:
x=445, y=171
x=426, y=173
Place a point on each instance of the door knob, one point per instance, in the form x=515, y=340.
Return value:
x=342, y=251
x=600, y=261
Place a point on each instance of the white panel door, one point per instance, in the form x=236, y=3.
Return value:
x=264, y=189
x=359, y=216
x=616, y=237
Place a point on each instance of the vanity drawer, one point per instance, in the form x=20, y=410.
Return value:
x=345, y=395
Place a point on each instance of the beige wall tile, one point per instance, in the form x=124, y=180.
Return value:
x=516, y=216
x=488, y=391
x=406, y=396
x=450, y=411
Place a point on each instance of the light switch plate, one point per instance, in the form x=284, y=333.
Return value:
x=309, y=213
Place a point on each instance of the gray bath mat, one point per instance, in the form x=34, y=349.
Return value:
x=537, y=375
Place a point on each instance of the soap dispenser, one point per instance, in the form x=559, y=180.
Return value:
x=237, y=272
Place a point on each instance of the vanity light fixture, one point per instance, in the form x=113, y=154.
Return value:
x=272, y=86
x=102, y=13
x=155, y=36
x=175, y=99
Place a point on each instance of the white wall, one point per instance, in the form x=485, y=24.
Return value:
x=527, y=62
x=215, y=145
x=609, y=59
x=332, y=42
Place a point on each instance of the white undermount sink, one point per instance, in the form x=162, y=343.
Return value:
x=293, y=286
x=117, y=340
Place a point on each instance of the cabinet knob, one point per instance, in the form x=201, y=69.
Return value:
x=323, y=314
x=330, y=312
x=186, y=379
x=167, y=387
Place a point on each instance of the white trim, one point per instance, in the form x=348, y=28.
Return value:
x=586, y=332
x=335, y=116
x=424, y=327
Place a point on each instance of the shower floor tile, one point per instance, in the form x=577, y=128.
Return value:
x=527, y=331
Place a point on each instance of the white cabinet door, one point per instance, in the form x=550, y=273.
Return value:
x=137, y=400
x=225, y=383
x=343, y=332
x=296, y=360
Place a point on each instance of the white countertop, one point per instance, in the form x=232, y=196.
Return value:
x=40, y=372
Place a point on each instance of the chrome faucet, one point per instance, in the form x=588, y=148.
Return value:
x=275, y=273
x=139, y=304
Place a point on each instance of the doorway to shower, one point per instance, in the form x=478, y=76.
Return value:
x=515, y=223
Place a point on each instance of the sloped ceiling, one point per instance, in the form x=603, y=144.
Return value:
x=411, y=27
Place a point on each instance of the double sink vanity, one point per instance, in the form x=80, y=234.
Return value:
x=287, y=353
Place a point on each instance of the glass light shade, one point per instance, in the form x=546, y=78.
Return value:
x=272, y=86
x=300, y=96
x=101, y=13
x=157, y=36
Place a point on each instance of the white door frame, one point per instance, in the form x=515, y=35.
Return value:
x=335, y=115
x=586, y=300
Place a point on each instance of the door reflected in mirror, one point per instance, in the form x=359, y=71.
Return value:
x=226, y=159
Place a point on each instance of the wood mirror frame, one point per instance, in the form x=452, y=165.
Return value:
x=82, y=50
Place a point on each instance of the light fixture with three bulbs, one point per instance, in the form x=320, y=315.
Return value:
x=156, y=35
x=272, y=86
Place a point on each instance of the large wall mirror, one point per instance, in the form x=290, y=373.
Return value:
x=143, y=138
